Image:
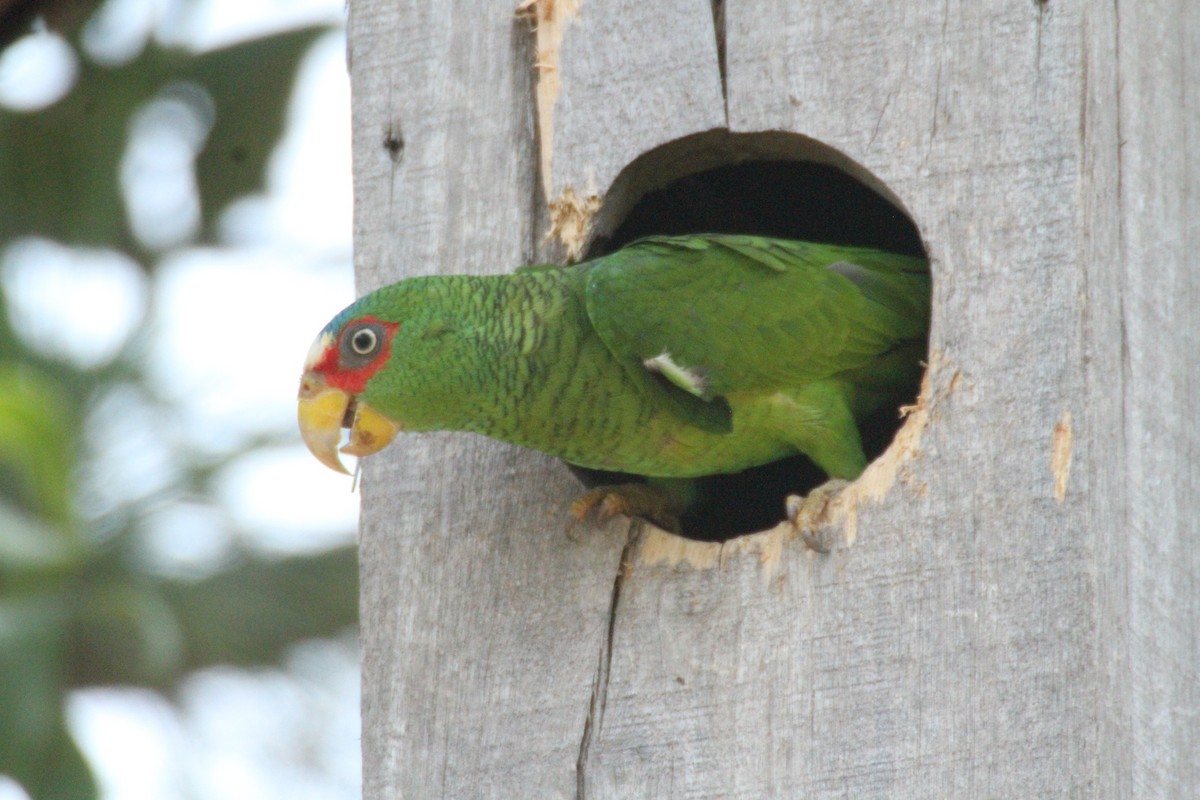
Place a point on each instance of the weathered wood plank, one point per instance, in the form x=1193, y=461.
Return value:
x=480, y=619
x=1158, y=376
x=953, y=649
x=1101, y=439
x=616, y=78
x=1010, y=609
x=482, y=623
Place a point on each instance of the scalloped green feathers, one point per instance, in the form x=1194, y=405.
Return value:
x=746, y=312
x=673, y=357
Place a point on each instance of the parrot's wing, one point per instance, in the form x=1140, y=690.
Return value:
x=723, y=313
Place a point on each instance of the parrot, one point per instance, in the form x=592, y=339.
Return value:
x=672, y=358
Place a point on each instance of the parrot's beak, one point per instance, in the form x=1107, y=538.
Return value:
x=323, y=412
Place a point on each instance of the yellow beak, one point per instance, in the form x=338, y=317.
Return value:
x=323, y=412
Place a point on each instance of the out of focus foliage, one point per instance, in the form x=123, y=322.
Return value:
x=80, y=605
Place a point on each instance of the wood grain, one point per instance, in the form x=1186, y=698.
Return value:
x=481, y=621
x=1010, y=608
x=628, y=76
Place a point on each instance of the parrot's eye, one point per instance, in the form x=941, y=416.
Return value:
x=360, y=344
x=363, y=341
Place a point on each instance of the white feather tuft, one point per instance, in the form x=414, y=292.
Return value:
x=686, y=378
x=319, y=345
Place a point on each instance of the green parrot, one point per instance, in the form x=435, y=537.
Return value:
x=672, y=358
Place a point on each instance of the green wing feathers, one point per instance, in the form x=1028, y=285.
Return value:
x=732, y=313
x=674, y=357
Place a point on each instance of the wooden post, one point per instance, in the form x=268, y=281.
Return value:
x=1012, y=605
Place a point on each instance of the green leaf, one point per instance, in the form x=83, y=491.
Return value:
x=30, y=547
x=152, y=631
x=35, y=748
x=250, y=85
x=250, y=614
x=123, y=632
x=60, y=167
x=37, y=432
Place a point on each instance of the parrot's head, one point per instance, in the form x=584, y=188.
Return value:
x=335, y=388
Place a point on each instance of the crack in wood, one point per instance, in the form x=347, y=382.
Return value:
x=599, y=699
x=550, y=18
x=718, y=12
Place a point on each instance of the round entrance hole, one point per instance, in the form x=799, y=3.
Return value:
x=769, y=184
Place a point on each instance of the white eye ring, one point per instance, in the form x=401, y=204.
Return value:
x=363, y=341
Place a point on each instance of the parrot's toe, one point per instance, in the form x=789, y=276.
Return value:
x=808, y=514
x=631, y=499
x=593, y=503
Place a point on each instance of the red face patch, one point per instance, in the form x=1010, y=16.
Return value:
x=362, y=347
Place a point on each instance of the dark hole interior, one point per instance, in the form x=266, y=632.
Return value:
x=785, y=199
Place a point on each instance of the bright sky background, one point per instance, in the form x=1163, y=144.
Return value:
x=240, y=734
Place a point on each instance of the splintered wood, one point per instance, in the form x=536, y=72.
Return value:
x=549, y=18
x=1060, y=456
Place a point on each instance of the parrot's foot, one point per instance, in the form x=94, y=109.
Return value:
x=806, y=513
x=652, y=503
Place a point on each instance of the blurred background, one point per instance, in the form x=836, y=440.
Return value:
x=177, y=575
